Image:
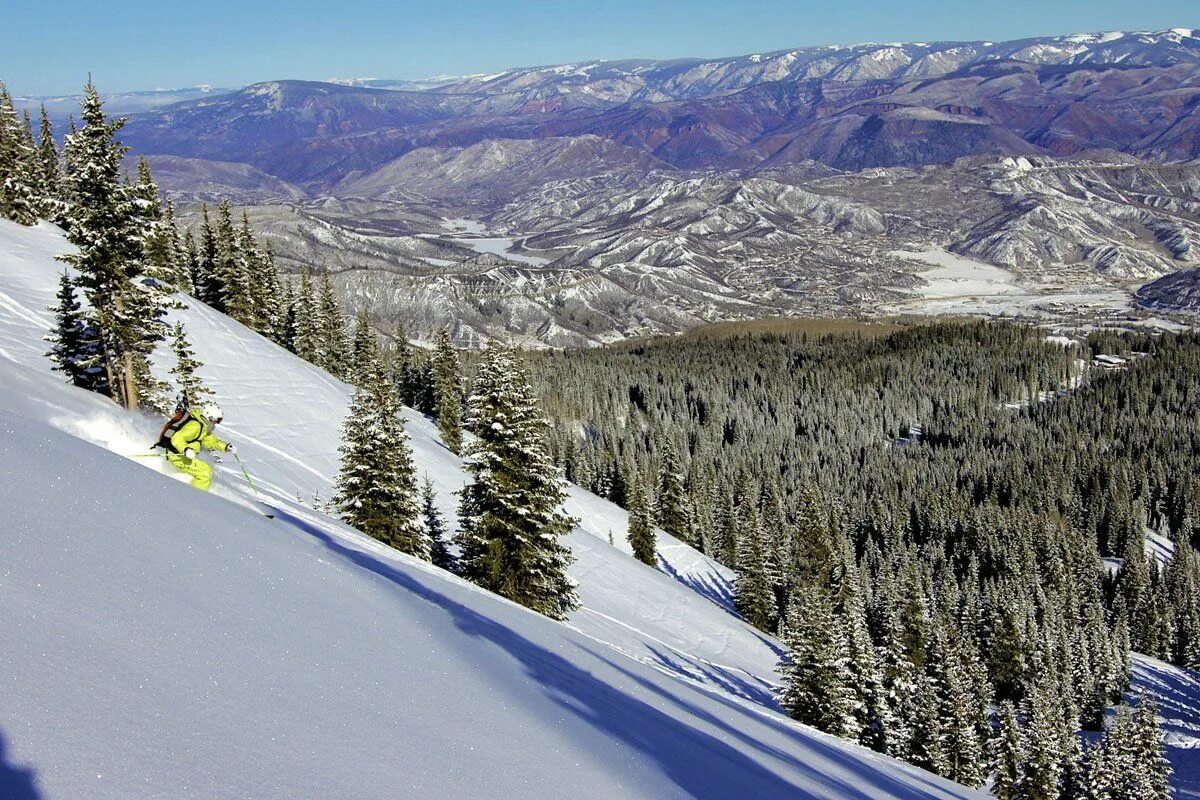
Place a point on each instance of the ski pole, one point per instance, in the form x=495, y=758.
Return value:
x=245, y=474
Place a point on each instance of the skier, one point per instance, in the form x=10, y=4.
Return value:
x=193, y=434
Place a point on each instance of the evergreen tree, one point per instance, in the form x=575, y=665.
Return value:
x=898, y=687
x=962, y=724
x=1150, y=776
x=447, y=387
x=285, y=329
x=331, y=331
x=189, y=266
x=107, y=230
x=435, y=530
x=158, y=238
x=76, y=347
x=641, y=526
x=1041, y=751
x=816, y=679
x=376, y=485
x=269, y=303
x=509, y=517
x=364, y=348
x=404, y=372
x=307, y=335
x=187, y=381
x=753, y=597
x=1006, y=755
x=670, y=510
x=18, y=192
x=255, y=289
x=49, y=172
x=1097, y=780
x=424, y=381
x=205, y=278
x=233, y=291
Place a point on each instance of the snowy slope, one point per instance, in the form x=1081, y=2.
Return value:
x=1177, y=693
x=159, y=642
x=286, y=416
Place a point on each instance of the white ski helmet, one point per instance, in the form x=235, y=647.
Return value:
x=212, y=412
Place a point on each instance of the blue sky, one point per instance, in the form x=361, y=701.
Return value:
x=49, y=46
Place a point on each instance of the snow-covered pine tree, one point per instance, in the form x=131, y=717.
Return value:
x=49, y=172
x=404, y=375
x=278, y=297
x=1096, y=780
x=307, y=337
x=816, y=678
x=510, y=520
x=1041, y=746
x=187, y=381
x=106, y=227
x=158, y=238
x=179, y=257
x=898, y=679
x=423, y=370
x=364, y=349
x=331, y=329
x=235, y=294
x=264, y=280
x=1150, y=776
x=641, y=525
x=447, y=387
x=752, y=596
x=670, y=511
x=376, y=485
x=962, y=724
x=285, y=326
x=435, y=529
x=189, y=261
x=251, y=272
x=1181, y=576
x=75, y=347
x=18, y=184
x=928, y=743
x=204, y=274
x=849, y=607
x=1006, y=755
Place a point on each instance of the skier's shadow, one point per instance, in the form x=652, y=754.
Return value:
x=16, y=783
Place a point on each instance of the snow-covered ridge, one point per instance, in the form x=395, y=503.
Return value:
x=159, y=641
x=621, y=80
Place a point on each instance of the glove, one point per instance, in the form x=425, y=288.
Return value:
x=190, y=453
x=230, y=448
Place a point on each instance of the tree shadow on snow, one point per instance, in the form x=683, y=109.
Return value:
x=734, y=681
x=16, y=783
x=713, y=587
x=720, y=591
x=687, y=742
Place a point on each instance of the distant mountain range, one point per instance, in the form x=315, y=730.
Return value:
x=62, y=107
x=850, y=107
x=665, y=193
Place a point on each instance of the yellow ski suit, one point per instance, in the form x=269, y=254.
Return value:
x=197, y=434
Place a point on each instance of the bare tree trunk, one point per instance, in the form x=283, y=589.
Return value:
x=131, y=392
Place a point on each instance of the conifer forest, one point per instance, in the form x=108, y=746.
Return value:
x=972, y=510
